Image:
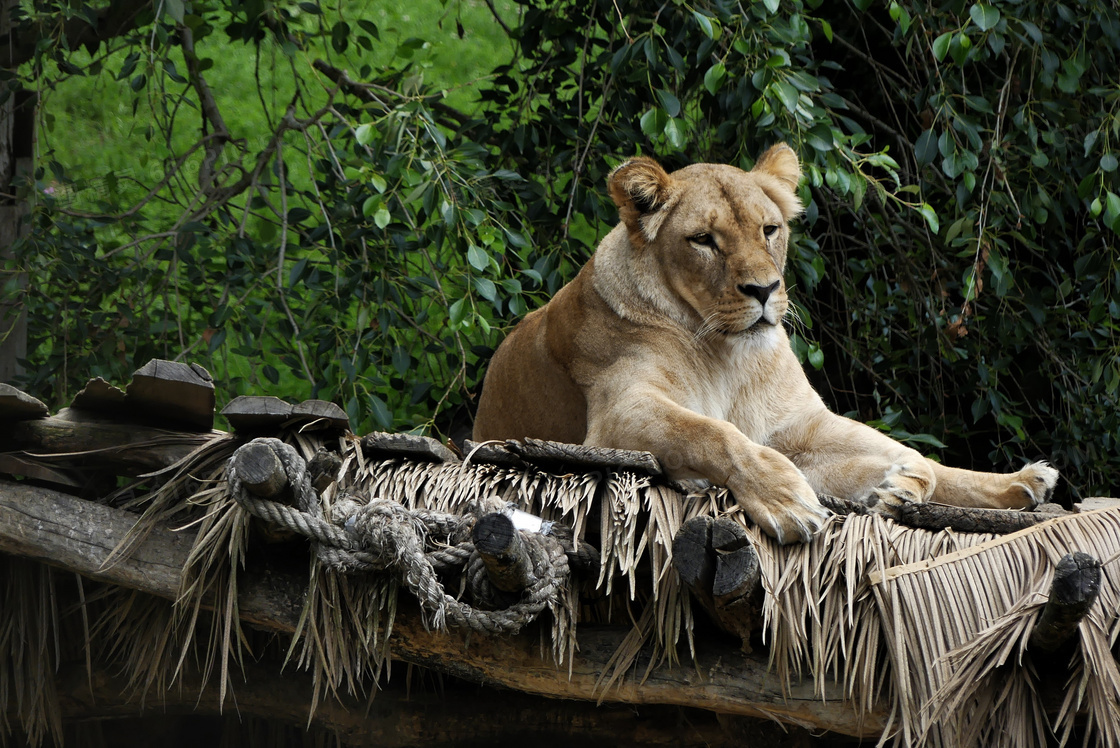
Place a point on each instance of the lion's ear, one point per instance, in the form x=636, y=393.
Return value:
x=641, y=189
x=780, y=163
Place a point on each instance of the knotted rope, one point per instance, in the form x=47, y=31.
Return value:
x=382, y=535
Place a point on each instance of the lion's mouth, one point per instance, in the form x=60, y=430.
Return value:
x=759, y=325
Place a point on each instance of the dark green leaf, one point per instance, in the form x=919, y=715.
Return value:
x=670, y=103
x=925, y=150
x=941, y=45
x=713, y=79
x=984, y=16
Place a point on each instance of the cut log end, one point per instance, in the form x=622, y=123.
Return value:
x=718, y=564
x=1076, y=584
x=499, y=544
x=260, y=470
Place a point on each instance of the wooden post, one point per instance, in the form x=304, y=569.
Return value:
x=1076, y=584
x=718, y=564
x=499, y=544
x=260, y=470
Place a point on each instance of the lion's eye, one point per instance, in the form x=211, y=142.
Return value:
x=770, y=229
x=703, y=239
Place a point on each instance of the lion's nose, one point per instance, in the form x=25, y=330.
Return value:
x=762, y=293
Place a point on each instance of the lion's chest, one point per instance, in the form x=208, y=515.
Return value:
x=746, y=387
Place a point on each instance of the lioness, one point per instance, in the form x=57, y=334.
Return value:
x=670, y=340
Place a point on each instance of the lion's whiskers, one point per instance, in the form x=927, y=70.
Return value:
x=793, y=318
x=708, y=327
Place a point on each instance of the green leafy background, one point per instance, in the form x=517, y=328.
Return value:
x=391, y=192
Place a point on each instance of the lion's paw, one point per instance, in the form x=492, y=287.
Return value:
x=788, y=511
x=1034, y=484
x=903, y=484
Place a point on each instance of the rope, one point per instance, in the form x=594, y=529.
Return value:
x=382, y=535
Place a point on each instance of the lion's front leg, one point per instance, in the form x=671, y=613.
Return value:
x=1032, y=485
x=889, y=479
x=850, y=460
x=765, y=483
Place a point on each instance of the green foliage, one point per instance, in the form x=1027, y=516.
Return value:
x=956, y=270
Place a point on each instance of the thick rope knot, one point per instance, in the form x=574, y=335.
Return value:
x=382, y=535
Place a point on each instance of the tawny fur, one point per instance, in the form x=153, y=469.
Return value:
x=670, y=340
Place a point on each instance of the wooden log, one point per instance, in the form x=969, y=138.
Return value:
x=260, y=470
x=738, y=575
x=80, y=439
x=692, y=556
x=492, y=453
x=928, y=515
x=1074, y=589
x=258, y=413
x=381, y=445
x=583, y=457
x=79, y=536
x=321, y=413
x=16, y=405
x=718, y=564
x=1093, y=503
x=170, y=390
x=458, y=714
x=499, y=544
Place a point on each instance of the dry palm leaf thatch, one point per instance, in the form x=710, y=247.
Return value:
x=953, y=622
x=29, y=650
x=885, y=611
x=191, y=493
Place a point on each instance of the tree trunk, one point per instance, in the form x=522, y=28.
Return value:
x=17, y=139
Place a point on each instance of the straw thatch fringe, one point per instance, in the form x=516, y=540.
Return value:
x=941, y=642
x=953, y=622
x=29, y=650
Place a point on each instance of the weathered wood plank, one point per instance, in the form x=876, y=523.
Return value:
x=16, y=405
x=931, y=516
x=539, y=450
x=173, y=390
x=1095, y=502
x=257, y=413
x=75, y=438
x=381, y=444
x=60, y=530
x=76, y=535
x=328, y=413
x=492, y=453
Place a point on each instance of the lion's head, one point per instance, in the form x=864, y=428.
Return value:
x=717, y=239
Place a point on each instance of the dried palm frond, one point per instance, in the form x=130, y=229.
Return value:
x=134, y=632
x=933, y=623
x=952, y=623
x=29, y=650
x=204, y=626
x=343, y=634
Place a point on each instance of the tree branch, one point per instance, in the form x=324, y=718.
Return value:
x=117, y=19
